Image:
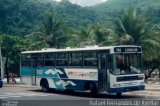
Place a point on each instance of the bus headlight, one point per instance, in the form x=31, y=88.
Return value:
x=116, y=85
x=141, y=83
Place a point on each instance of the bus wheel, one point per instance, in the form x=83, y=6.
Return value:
x=93, y=89
x=69, y=91
x=45, y=86
x=119, y=94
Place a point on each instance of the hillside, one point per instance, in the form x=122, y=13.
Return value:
x=75, y=15
x=118, y=5
x=20, y=17
x=110, y=10
x=24, y=25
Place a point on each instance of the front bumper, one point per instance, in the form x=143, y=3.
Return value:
x=126, y=89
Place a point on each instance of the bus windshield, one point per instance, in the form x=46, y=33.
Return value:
x=127, y=64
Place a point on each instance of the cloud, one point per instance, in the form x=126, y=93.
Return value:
x=76, y=1
x=85, y=2
x=104, y=0
x=57, y=0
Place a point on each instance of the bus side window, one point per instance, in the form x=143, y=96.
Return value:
x=75, y=59
x=49, y=63
x=26, y=60
x=62, y=59
x=90, y=59
x=49, y=59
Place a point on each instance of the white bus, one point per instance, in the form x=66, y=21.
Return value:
x=112, y=69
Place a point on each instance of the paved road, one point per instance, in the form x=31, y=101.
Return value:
x=31, y=95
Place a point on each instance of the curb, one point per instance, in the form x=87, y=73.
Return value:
x=152, y=87
x=20, y=85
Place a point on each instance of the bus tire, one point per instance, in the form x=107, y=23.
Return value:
x=119, y=94
x=45, y=86
x=69, y=91
x=93, y=89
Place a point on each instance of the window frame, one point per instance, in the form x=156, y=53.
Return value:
x=70, y=59
x=52, y=60
x=90, y=66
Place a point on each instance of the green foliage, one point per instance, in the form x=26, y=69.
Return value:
x=50, y=33
x=103, y=35
x=19, y=16
x=97, y=34
x=133, y=24
x=37, y=24
x=80, y=37
x=120, y=5
x=11, y=48
x=110, y=10
x=75, y=15
x=132, y=28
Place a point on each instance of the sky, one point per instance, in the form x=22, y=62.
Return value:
x=85, y=2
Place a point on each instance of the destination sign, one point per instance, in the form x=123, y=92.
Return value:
x=127, y=49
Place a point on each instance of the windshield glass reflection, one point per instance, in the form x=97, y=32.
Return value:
x=127, y=64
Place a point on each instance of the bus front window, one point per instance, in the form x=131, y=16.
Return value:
x=127, y=64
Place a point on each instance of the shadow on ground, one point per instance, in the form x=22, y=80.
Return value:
x=88, y=95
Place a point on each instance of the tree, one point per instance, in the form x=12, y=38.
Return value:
x=103, y=35
x=134, y=26
x=81, y=37
x=97, y=34
x=155, y=61
x=11, y=48
x=131, y=23
x=51, y=32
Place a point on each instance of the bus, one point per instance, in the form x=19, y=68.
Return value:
x=110, y=69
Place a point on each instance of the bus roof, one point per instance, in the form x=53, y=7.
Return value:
x=68, y=49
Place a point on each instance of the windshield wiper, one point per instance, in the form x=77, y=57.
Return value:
x=134, y=69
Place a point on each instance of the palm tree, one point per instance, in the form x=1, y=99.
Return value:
x=132, y=30
x=81, y=37
x=103, y=35
x=50, y=32
x=96, y=34
x=130, y=23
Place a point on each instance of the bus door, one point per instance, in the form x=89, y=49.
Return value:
x=102, y=72
x=33, y=72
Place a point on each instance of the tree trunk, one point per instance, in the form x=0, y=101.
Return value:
x=6, y=69
x=150, y=72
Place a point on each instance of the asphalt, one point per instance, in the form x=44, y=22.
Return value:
x=151, y=89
